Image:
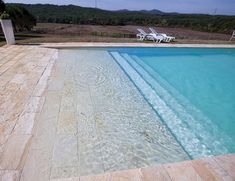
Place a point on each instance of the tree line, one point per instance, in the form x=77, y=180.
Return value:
x=46, y=13
x=25, y=16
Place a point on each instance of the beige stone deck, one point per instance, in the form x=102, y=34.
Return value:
x=25, y=73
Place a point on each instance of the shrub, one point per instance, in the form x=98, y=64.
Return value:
x=4, y=15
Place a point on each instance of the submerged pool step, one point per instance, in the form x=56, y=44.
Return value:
x=195, y=129
x=185, y=137
x=177, y=111
x=214, y=140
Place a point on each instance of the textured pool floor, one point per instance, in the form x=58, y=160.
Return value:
x=94, y=120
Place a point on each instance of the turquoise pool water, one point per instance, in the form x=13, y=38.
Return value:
x=191, y=89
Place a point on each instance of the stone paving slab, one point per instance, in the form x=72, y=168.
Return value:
x=24, y=71
x=9, y=175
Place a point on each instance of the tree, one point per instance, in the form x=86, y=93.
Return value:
x=21, y=18
x=2, y=6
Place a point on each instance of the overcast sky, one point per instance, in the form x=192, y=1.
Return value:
x=183, y=6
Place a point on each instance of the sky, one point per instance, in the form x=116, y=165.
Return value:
x=226, y=7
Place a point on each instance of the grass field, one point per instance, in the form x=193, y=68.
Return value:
x=50, y=32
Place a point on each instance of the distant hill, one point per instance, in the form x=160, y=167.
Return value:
x=47, y=13
x=153, y=11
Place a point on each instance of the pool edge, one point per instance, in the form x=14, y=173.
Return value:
x=147, y=45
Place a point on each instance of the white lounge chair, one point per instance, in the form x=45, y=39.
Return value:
x=166, y=37
x=142, y=35
x=233, y=35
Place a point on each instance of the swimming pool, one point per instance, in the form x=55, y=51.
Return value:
x=112, y=109
x=191, y=89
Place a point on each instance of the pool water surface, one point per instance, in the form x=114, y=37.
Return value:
x=109, y=109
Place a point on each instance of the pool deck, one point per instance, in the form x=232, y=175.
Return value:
x=25, y=72
x=141, y=44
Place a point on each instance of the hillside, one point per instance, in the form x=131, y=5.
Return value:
x=70, y=14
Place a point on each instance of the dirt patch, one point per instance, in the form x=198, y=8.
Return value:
x=51, y=32
x=179, y=33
